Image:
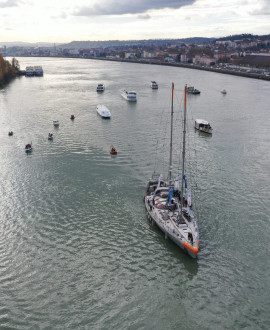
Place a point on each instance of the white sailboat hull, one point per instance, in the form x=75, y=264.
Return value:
x=169, y=228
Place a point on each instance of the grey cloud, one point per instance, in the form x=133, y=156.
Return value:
x=146, y=16
x=8, y=3
x=61, y=16
x=121, y=7
x=264, y=10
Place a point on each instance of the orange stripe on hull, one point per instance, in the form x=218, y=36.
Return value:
x=191, y=248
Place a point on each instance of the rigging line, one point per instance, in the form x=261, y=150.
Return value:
x=177, y=119
x=192, y=159
x=161, y=141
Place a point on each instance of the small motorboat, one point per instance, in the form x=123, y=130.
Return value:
x=28, y=148
x=192, y=90
x=113, y=151
x=10, y=133
x=72, y=117
x=154, y=85
x=203, y=126
x=50, y=136
x=103, y=111
x=224, y=91
x=100, y=88
x=56, y=123
x=129, y=95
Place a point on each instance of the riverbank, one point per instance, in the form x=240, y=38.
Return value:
x=234, y=72
x=224, y=70
x=8, y=71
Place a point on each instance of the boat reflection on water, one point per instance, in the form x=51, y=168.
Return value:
x=182, y=259
x=203, y=134
x=190, y=265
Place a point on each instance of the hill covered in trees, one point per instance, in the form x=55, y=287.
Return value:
x=130, y=43
x=242, y=36
x=8, y=71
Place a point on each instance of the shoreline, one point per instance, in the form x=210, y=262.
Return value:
x=252, y=75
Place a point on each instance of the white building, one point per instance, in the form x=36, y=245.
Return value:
x=147, y=54
x=73, y=52
x=183, y=58
x=130, y=55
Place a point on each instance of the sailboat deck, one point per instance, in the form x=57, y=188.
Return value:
x=169, y=219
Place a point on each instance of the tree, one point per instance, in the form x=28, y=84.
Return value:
x=8, y=71
x=15, y=64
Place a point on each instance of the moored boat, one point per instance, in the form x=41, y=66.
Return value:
x=192, y=90
x=203, y=126
x=103, y=111
x=130, y=96
x=154, y=85
x=100, y=88
x=168, y=202
x=29, y=71
x=38, y=71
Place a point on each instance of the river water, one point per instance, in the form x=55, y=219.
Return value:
x=76, y=248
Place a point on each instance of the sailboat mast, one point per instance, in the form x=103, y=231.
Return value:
x=183, y=152
x=171, y=142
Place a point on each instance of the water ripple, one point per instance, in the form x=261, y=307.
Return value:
x=76, y=248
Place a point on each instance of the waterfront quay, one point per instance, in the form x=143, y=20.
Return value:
x=235, y=70
x=229, y=69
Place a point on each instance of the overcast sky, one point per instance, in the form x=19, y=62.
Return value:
x=68, y=20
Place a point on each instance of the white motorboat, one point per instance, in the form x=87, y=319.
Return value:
x=129, y=95
x=168, y=202
x=203, y=126
x=154, y=85
x=56, y=123
x=100, y=88
x=103, y=111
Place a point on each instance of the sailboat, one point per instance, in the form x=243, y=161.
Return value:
x=170, y=207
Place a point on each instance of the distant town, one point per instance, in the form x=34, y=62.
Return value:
x=244, y=54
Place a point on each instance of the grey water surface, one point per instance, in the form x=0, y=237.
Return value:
x=76, y=248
